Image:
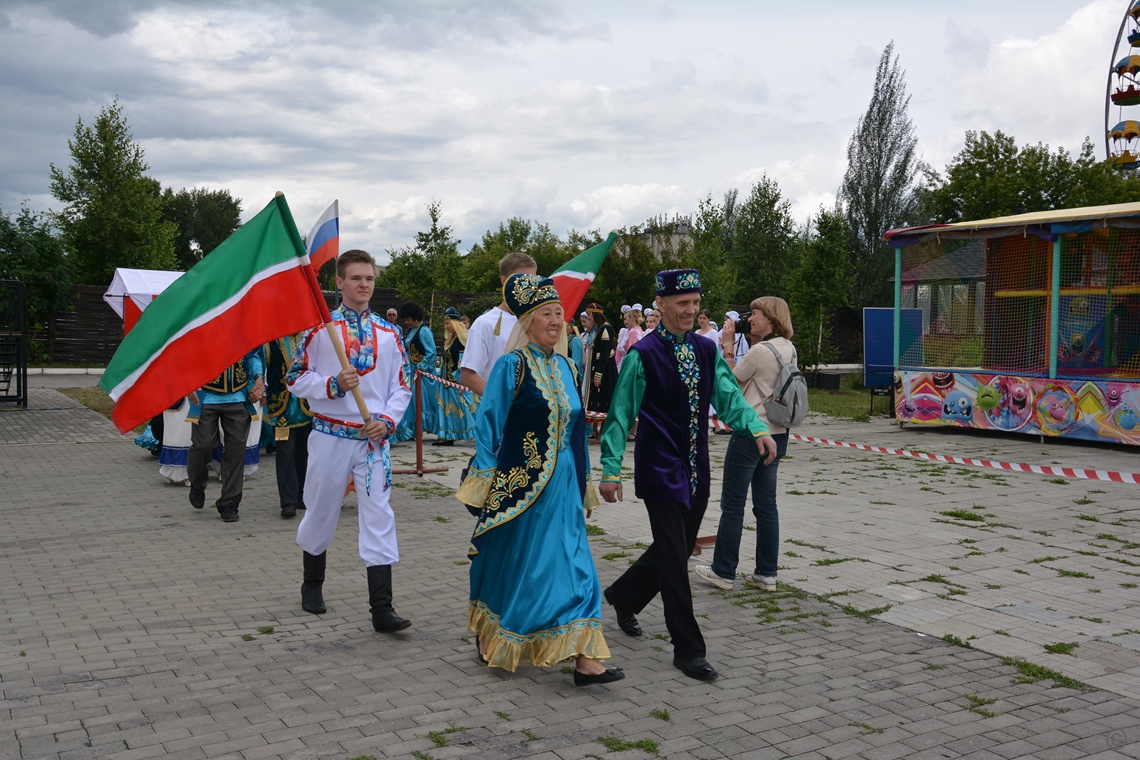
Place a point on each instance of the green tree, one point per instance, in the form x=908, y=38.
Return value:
x=481, y=264
x=712, y=236
x=31, y=252
x=113, y=213
x=820, y=285
x=878, y=189
x=992, y=177
x=432, y=264
x=204, y=219
x=763, y=255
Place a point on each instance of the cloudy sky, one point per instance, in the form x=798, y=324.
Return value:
x=580, y=114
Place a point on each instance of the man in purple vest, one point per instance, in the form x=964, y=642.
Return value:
x=666, y=382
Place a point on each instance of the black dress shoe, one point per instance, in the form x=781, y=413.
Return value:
x=288, y=511
x=697, y=668
x=197, y=497
x=609, y=675
x=626, y=620
x=389, y=622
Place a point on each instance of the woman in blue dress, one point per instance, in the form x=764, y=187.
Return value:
x=535, y=596
x=454, y=409
x=420, y=345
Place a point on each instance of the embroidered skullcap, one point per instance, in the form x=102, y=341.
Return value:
x=523, y=293
x=675, y=282
x=451, y=312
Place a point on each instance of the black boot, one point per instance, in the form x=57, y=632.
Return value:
x=384, y=618
x=311, y=598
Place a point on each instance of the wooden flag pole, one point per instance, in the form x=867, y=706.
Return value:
x=338, y=344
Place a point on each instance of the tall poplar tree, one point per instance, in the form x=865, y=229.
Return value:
x=113, y=213
x=878, y=190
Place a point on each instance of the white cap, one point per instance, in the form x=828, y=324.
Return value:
x=636, y=307
x=732, y=315
x=624, y=309
x=649, y=311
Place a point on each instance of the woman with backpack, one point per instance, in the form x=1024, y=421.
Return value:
x=757, y=370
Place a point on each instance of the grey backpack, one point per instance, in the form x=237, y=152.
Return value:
x=789, y=403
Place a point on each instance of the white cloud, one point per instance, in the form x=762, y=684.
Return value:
x=581, y=115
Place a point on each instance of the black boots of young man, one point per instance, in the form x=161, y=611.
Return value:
x=384, y=618
x=311, y=598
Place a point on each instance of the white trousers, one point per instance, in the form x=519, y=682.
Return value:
x=332, y=460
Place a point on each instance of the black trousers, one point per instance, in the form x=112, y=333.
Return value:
x=664, y=569
x=233, y=420
x=292, y=461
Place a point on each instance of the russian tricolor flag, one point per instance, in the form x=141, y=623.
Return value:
x=323, y=242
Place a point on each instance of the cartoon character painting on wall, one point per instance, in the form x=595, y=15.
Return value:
x=957, y=409
x=907, y=409
x=1055, y=409
x=1006, y=402
x=1123, y=404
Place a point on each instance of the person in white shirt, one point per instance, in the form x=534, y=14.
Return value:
x=733, y=344
x=705, y=326
x=487, y=338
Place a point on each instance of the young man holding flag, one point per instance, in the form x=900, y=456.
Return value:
x=343, y=446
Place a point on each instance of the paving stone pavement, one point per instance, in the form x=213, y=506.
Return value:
x=134, y=626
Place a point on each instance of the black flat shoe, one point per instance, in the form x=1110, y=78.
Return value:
x=479, y=656
x=626, y=620
x=609, y=675
x=697, y=668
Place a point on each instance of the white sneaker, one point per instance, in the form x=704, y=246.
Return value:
x=762, y=582
x=706, y=574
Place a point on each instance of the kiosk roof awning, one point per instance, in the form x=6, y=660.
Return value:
x=1044, y=224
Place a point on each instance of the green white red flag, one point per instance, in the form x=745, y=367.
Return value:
x=573, y=278
x=253, y=288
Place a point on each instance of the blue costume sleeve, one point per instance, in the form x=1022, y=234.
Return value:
x=427, y=340
x=490, y=423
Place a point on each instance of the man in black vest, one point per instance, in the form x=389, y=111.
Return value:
x=667, y=381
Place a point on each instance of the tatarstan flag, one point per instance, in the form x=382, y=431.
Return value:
x=573, y=278
x=253, y=288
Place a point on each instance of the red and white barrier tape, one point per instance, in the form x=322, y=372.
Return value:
x=1038, y=469
x=441, y=380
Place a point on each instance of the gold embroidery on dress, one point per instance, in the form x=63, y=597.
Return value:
x=506, y=484
x=530, y=451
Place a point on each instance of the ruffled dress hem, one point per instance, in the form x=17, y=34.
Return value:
x=543, y=649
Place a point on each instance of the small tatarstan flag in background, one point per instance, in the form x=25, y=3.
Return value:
x=573, y=278
x=253, y=288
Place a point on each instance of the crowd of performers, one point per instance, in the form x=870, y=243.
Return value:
x=522, y=385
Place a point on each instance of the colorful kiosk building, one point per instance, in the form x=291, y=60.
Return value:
x=1027, y=323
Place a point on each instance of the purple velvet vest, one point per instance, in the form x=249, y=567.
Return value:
x=661, y=454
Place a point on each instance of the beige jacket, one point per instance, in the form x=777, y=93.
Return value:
x=756, y=372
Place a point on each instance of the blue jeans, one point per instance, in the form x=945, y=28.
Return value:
x=742, y=467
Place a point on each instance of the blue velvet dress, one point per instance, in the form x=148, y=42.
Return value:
x=454, y=409
x=420, y=344
x=535, y=596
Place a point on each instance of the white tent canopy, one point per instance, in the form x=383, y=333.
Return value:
x=139, y=285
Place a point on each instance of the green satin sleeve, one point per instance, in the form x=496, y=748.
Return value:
x=624, y=406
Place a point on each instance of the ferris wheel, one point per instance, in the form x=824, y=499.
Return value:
x=1122, y=95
